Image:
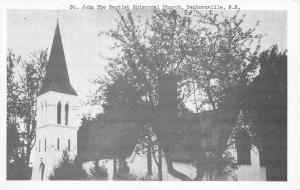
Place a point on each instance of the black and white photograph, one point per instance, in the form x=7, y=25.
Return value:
x=148, y=93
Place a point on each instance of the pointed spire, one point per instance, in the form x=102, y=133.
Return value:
x=57, y=78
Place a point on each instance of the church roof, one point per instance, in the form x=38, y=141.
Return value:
x=57, y=78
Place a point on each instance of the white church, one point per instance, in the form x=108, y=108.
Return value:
x=57, y=128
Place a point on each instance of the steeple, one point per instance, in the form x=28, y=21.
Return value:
x=57, y=78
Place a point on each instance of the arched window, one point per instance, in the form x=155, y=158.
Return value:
x=42, y=169
x=45, y=144
x=58, y=144
x=59, y=113
x=66, y=113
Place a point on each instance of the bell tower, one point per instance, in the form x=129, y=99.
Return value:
x=56, y=130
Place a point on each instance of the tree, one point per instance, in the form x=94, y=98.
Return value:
x=144, y=64
x=121, y=103
x=220, y=54
x=118, y=122
x=12, y=105
x=209, y=52
x=13, y=102
x=68, y=169
x=98, y=172
x=22, y=89
x=30, y=84
x=148, y=146
x=265, y=102
x=221, y=62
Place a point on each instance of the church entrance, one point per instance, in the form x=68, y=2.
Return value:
x=42, y=169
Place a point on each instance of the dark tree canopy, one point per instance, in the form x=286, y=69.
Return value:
x=266, y=103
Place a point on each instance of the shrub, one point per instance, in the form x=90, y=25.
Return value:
x=68, y=169
x=123, y=173
x=98, y=172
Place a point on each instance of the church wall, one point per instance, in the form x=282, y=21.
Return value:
x=138, y=167
x=52, y=155
x=47, y=128
x=253, y=172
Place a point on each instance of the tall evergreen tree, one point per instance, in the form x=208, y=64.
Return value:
x=266, y=103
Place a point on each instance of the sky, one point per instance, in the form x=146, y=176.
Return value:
x=29, y=30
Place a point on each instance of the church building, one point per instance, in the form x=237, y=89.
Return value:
x=56, y=130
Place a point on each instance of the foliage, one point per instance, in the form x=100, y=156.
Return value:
x=68, y=169
x=31, y=82
x=265, y=102
x=147, y=137
x=121, y=101
x=24, y=78
x=18, y=170
x=122, y=171
x=13, y=101
x=209, y=55
x=98, y=172
x=205, y=146
x=145, y=59
x=219, y=54
x=217, y=167
x=125, y=175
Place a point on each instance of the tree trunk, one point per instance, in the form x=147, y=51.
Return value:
x=170, y=167
x=28, y=144
x=200, y=172
x=194, y=93
x=165, y=148
x=160, y=176
x=210, y=98
x=114, y=168
x=149, y=160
